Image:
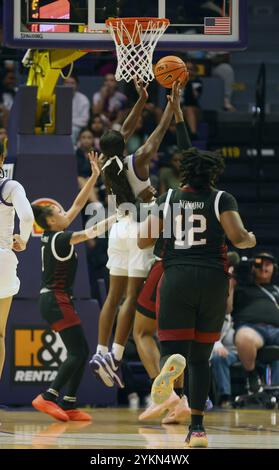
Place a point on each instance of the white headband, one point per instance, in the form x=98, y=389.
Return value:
x=118, y=161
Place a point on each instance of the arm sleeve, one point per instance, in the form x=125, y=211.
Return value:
x=160, y=204
x=227, y=203
x=182, y=136
x=62, y=244
x=14, y=193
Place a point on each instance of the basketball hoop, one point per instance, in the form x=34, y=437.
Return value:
x=135, y=40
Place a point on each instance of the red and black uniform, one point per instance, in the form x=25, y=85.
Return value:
x=59, y=265
x=146, y=302
x=194, y=287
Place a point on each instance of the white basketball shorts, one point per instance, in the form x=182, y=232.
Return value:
x=125, y=258
x=9, y=282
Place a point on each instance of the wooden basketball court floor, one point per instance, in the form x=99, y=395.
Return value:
x=119, y=428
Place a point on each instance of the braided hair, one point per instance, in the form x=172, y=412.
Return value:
x=201, y=169
x=3, y=151
x=111, y=144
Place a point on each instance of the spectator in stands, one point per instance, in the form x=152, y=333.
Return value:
x=8, y=88
x=98, y=126
x=170, y=175
x=224, y=353
x=190, y=99
x=256, y=314
x=84, y=145
x=109, y=101
x=222, y=68
x=81, y=107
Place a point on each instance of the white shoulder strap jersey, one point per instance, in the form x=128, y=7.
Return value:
x=137, y=184
x=7, y=219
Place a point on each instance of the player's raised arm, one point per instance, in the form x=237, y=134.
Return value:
x=182, y=136
x=144, y=154
x=83, y=196
x=130, y=124
x=151, y=146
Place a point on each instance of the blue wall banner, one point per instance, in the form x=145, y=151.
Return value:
x=34, y=353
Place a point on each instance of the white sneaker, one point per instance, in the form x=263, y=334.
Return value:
x=180, y=414
x=163, y=384
x=155, y=411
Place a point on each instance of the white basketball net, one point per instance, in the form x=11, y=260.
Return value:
x=135, y=49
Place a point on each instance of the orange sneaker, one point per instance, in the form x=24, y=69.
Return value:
x=50, y=408
x=77, y=415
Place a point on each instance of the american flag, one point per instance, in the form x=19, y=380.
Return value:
x=220, y=25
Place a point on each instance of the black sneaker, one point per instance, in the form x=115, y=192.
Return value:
x=254, y=382
x=196, y=437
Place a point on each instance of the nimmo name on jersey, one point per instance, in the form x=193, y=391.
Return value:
x=191, y=205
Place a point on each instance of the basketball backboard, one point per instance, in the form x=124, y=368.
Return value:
x=80, y=24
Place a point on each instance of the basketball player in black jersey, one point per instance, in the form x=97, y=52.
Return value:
x=59, y=264
x=145, y=325
x=194, y=287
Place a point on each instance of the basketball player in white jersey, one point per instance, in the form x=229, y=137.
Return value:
x=12, y=199
x=128, y=179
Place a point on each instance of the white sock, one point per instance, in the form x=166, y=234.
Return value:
x=53, y=392
x=117, y=351
x=102, y=349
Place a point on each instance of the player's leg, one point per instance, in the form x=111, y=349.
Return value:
x=145, y=325
x=111, y=362
x=117, y=289
x=176, y=324
x=144, y=336
x=145, y=328
x=9, y=286
x=210, y=318
x=248, y=341
x=126, y=315
x=173, y=361
x=199, y=383
x=58, y=310
x=69, y=373
x=76, y=344
x=139, y=262
x=5, y=305
x=118, y=269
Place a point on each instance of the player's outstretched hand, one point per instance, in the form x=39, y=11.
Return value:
x=141, y=89
x=93, y=158
x=174, y=98
x=18, y=243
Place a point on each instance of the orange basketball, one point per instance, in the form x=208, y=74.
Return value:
x=169, y=69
